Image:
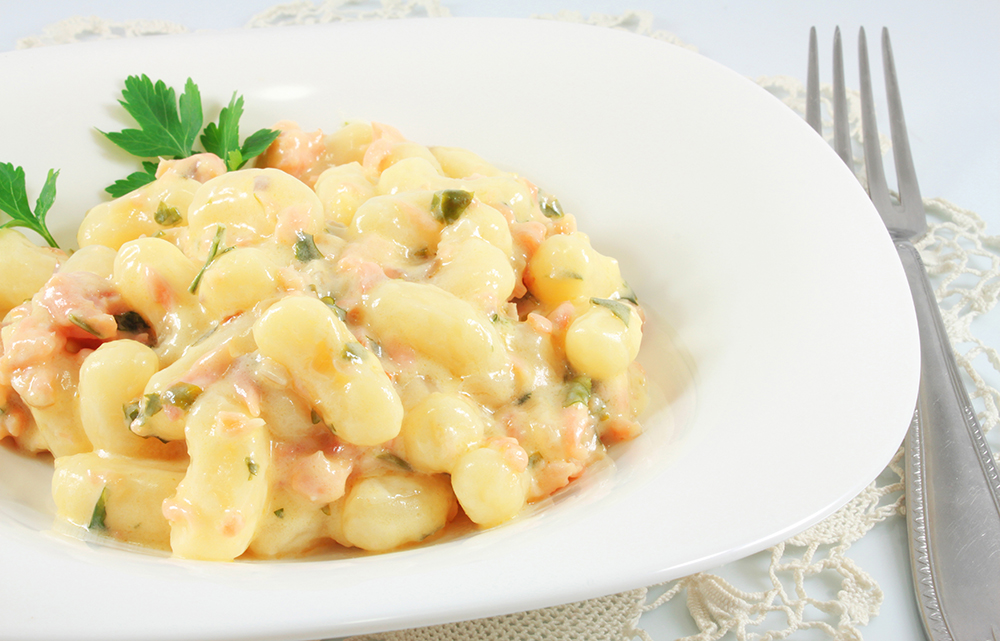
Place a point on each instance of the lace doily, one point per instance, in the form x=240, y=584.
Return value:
x=964, y=263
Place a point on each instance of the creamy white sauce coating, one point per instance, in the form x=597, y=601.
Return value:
x=352, y=343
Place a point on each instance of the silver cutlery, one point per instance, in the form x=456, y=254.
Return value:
x=951, y=479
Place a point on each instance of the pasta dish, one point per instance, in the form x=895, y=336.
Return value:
x=355, y=342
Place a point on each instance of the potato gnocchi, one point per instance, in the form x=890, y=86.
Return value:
x=355, y=343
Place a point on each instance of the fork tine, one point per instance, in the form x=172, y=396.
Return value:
x=812, y=86
x=841, y=134
x=877, y=189
x=909, y=190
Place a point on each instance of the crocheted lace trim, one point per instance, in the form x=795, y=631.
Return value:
x=964, y=262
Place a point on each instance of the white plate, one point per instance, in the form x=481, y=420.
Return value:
x=781, y=345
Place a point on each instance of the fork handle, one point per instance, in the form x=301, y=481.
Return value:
x=952, y=487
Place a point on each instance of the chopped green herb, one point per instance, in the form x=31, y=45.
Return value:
x=305, y=248
x=14, y=201
x=166, y=215
x=448, y=204
x=131, y=410
x=149, y=405
x=182, y=395
x=499, y=318
x=578, y=391
x=100, y=513
x=82, y=324
x=131, y=323
x=251, y=467
x=627, y=293
x=389, y=457
x=337, y=309
x=205, y=336
x=523, y=399
x=315, y=417
x=280, y=513
x=354, y=352
x=550, y=205
x=424, y=537
x=618, y=308
x=325, y=509
x=213, y=253
x=535, y=459
x=598, y=408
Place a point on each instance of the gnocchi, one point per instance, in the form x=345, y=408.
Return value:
x=354, y=343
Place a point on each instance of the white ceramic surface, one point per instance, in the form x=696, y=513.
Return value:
x=781, y=345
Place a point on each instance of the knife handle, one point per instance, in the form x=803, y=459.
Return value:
x=952, y=487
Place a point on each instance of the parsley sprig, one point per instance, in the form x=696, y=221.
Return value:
x=164, y=131
x=14, y=201
x=169, y=127
x=223, y=139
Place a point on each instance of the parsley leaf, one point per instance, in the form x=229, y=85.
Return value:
x=133, y=181
x=100, y=514
x=618, y=308
x=213, y=253
x=223, y=139
x=164, y=131
x=14, y=201
x=257, y=142
x=447, y=205
x=305, y=247
x=169, y=127
x=578, y=391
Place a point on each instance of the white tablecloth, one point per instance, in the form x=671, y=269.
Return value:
x=947, y=55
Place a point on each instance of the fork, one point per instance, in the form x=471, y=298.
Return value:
x=951, y=480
